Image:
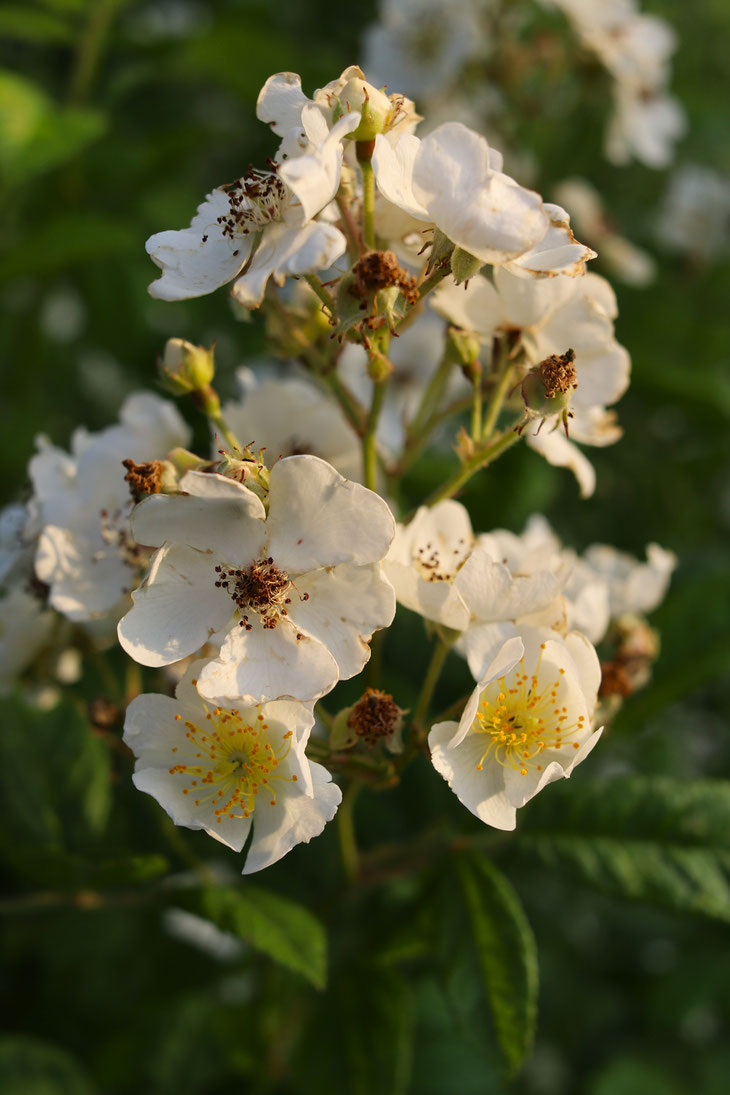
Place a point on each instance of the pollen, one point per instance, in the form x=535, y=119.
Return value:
x=230, y=759
x=261, y=588
x=521, y=719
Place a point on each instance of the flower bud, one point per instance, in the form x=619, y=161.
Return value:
x=375, y=717
x=360, y=97
x=462, y=348
x=184, y=367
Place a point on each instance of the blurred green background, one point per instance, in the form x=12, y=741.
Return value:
x=115, y=119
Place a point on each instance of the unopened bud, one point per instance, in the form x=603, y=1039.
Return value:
x=184, y=367
x=462, y=348
x=374, y=108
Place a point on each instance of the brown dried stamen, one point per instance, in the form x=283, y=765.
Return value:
x=255, y=200
x=558, y=373
x=434, y=565
x=261, y=588
x=375, y=716
x=380, y=270
x=143, y=479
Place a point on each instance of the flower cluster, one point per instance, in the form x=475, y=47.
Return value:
x=258, y=573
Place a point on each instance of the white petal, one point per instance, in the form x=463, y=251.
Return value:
x=225, y=522
x=502, y=662
x=281, y=101
x=294, y=820
x=345, y=605
x=192, y=266
x=558, y=252
x=288, y=250
x=473, y=306
x=87, y=578
x=268, y=663
x=491, y=592
x=317, y=518
x=176, y=609
x=393, y=167
x=314, y=178
x=562, y=453
x=438, y=600
x=482, y=792
x=528, y=302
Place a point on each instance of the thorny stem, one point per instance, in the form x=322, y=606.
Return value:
x=346, y=832
x=481, y=458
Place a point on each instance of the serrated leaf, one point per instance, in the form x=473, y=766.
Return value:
x=645, y=838
x=506, y=953
x=278, y=926
x=29, y=1066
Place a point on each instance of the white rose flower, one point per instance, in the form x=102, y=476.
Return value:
x=452, y=179
x=272, y=209
x=289, y=416
x=86, y=553
x=633, y=586
x=223, y=770
x=295, y=594
x=527, y=723
x=554, y=315
x=26, y=627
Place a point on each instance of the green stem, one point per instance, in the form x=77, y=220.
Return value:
x=90, y=49
x=480, y=460
x=504, y=383
x=430, y=398
x=368, y=203
x=438, y=658
x=351, y=406
x=346, y=832
x=209, y=403
x=476, y=407
x=326, y=298
x=369, y=448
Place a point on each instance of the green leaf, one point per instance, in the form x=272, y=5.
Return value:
x=279, y=927
x=36, y=134
x=506, y=953
x=31, y=1067
x=645, y=838
x=55, y=778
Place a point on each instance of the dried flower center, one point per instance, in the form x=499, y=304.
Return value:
x=261, y=588
x=143, y=479
x=230, y=760
x=522, y=719
x=381, y=270
x=255, y=200
x=438, y=563
x=374, y=716
x=558, y=373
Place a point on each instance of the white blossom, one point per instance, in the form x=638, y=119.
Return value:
x=633, y=586
x=695, y=212
x=222, y=770
x=259, y=227
x=26, y=627
x=527, y=723
x=86, y=553
x=288, y=416
x=294, y=594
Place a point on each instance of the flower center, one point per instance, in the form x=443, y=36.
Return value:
x=261, y=588
x=255, y=200
x=438, y=563
x=229, y=760
x=522, y=720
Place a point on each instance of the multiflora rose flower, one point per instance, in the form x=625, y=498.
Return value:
x=527, y=723
x=294, y=594
x=224, y=770
x=86, y=552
